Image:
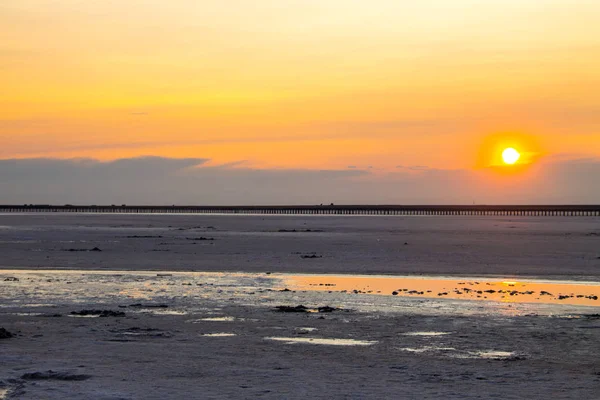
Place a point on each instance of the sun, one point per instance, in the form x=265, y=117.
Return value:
x=510, y=156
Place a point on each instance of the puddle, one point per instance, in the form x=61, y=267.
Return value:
x=165, y=312
x=320, y=341
x=307, y=329
x=494, y=355
x=455, y=353
x=212, y=319
x=219, y=334
x=426, y=333
x=427, y=349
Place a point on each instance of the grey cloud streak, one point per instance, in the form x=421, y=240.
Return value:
x=157, y=180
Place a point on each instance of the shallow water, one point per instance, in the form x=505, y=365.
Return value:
x=367, y=293
x=323, y=341
x=468, y=288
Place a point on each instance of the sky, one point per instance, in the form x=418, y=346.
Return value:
x=299, y=101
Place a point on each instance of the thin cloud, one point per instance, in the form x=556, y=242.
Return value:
x=159, y=180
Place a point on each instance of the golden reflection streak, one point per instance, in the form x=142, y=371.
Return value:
x=570, y=293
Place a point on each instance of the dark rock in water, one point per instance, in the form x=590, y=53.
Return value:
x=100, y=313
x=303, y=309
x=292, y=309
x=95, y=249
x=11, y=279
x=51, y=315
x=544, y=293
x=299, y=308
x=4, y=334
x=53, y=375
x=200, y=239
x=310, y=256
x=394, y=293
x=285, y=290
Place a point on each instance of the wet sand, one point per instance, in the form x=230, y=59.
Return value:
x=545, y=247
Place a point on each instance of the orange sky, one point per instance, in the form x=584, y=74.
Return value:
x=300, y=84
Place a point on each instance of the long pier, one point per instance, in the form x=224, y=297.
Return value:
x=434, y=210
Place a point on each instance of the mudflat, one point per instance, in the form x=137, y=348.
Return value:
x=557, y=247
x=96, y=306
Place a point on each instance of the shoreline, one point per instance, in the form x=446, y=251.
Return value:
x=574, y=279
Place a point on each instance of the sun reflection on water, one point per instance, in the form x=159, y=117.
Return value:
x=505, y=291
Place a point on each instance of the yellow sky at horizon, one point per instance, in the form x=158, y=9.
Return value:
x=297, y=83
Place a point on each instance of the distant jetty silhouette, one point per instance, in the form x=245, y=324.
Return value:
x=433, y=210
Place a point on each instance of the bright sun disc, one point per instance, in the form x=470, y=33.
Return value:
x=510, y=156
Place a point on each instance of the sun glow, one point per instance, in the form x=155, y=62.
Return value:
x=510, y=156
